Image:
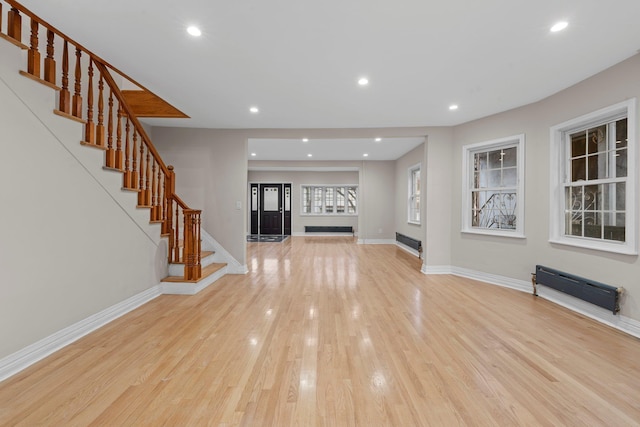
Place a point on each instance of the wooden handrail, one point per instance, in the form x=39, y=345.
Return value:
x=181, y=203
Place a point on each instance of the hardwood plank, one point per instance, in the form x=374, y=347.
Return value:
x=323, y=331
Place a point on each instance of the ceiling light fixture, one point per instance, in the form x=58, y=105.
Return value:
x=253, y=154
x=305, y=139
x=194, y=31
x=254, y=110
x=365, y=155
x=363, y=81
x=378, y=139
x=453, y=107
x=559, y=26
x=309, y=155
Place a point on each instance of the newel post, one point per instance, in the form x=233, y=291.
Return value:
x=192, y=267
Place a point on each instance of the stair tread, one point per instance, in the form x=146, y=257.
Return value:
x=206, y=272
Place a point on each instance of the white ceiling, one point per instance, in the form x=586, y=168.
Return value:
x=331, y=149
x=299, y=60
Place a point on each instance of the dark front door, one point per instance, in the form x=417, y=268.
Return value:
x=271, y=209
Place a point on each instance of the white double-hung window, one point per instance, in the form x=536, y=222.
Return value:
x=493, y=187
x=593, y=180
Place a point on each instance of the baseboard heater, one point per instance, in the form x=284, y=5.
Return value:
x=410, y=242
x=597, y=293
x=328, y=229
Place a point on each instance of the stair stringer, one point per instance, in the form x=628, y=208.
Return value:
x=42, y=100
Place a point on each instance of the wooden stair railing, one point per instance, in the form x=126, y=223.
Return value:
x=110, y=125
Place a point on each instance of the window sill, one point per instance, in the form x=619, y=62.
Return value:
x=618, y=248
x=510, y=234
x=413, y=222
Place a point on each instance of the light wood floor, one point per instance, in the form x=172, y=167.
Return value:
x=323, y=331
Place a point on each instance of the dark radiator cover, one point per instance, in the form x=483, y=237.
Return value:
x=409, y=241
x=328, y=229
x=589, y=290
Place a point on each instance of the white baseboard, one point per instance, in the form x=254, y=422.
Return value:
x=376, y=242
x=436, y=269
x=406, y=248
x=37, y=351
x=617, y=321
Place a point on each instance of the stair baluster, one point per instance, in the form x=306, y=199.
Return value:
x=33, y=56
x=141, y=186
x=65, y=100
x=127, y=151
x=134, y=166
x=76, y=104
x=118, y=159
x=90, y=127
x=110, y=154
x=49, y=61
x=100, y=126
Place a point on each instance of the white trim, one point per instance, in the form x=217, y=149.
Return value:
x=599, y=314
x=37, y=351
x=407, y=249
x=515, y=140
x=304, y=168
x=557, y=174
x=436, y=269
x=620, y=322
x=494, y=279
x=376, y=242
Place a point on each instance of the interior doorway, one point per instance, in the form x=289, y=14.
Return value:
x=270, y=205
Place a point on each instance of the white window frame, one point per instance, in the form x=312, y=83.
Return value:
x=412, y=196
x=323, y=188
x=468, y=152
x=559, y=171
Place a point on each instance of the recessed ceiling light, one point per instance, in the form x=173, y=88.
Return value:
x=363, y=81
x=453, y=107
x=254, y=110
x=365, y=155
x=378, y=139
x=305, y=139
x=559, y=26
x=309, y=155
x=194, y=31
x=253, y=154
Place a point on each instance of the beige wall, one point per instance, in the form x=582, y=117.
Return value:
x=516, y=258
x=377, y=188
x=402, y=225
x=68, y=250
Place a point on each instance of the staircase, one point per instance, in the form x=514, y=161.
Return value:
x=112, y=139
